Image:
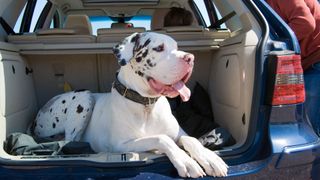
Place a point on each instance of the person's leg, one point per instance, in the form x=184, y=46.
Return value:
x=312, y=104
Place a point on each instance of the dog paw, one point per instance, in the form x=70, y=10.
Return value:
x=212, y=163
x=186, y=166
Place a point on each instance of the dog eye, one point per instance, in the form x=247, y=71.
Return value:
x=160, y=48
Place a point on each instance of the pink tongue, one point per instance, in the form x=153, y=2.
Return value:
x=183, y=90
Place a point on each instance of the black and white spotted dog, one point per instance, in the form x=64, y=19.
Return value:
x=135, y=116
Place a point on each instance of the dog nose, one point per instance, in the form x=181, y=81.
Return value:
x=189, y=58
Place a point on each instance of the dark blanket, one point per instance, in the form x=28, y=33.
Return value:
x=196, y=119
x=23, y=144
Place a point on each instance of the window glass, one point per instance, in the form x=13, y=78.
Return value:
x=219, y=17
x=141, y=21
x=18, y=23
x=37, y=11
x=223, y=9
x=98, y=22
x=55, y=22
x=51, y=24
x=203, y=11
x=36, y=14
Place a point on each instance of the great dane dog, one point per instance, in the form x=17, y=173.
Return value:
x=136, y=115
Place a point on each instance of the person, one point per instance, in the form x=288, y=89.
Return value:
x=303, y=17
x=178, y=17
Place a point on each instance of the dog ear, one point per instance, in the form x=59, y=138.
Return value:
x=124, y=50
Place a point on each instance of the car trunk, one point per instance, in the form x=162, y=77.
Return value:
x=33, y=73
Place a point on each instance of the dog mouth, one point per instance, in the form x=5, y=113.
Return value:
x=174, y=89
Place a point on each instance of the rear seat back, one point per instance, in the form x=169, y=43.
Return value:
x=80, y=23
x=157, y=20
x=190, y=32
x=114, y=35
x=77, y=29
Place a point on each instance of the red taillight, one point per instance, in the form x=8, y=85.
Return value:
x=289, y=83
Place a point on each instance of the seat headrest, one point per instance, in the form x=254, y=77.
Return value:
x=80, y=23
x=157, y=21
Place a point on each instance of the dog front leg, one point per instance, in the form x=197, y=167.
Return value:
x=208, y=159
x=185, y=165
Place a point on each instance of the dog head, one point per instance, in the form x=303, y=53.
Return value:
x=156, y=60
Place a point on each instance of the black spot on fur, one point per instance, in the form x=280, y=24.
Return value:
x=116, y=51
x=73, y=130
x=138, y=59
x=57, y=119
x=65, y=110
x=160, y=48
x=83, y=117
x=54, y=125
x=146, y=43
x=137, y=48
x=145, y=53
x=135, y=38
x=88, y=110
x=79, y=109
x=122, y=62
x=140, y=73
x=50, y=109
x=73, y=97
x=64, y=101
x=149, y=63
x=41, y=126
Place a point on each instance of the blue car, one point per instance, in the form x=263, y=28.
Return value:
x=247, y=60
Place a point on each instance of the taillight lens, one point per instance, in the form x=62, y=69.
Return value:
x=289, y=83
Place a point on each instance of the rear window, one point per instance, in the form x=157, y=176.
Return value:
x=98, y=22
x=34, y=13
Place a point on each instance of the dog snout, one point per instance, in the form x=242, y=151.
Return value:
x=189, y=58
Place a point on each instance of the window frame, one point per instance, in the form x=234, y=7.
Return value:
x=197, y=13
x=26, y=19
x=42, y=18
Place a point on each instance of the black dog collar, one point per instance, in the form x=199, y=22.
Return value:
x=133, y=95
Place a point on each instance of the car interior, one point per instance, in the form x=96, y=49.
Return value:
x=65, y=50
